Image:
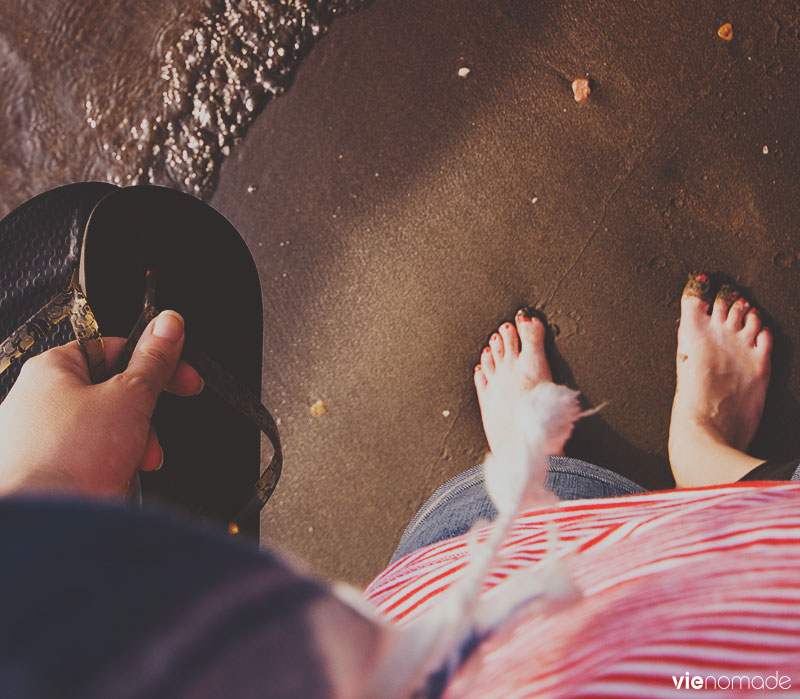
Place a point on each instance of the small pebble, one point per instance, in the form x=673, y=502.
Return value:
x=581, y=89
x=534, y=200
x=445, y=413
x=318, y=409
x=463, y=72
x=765, y=150
x=725, y=31
x=252, y=188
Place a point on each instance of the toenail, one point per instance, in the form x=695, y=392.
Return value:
x=495, y=337
x=486, y=349
x=506, y=325
x=702, y=278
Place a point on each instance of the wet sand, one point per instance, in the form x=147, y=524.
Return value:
x=398, y=213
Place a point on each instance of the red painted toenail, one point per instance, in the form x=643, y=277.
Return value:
x=701, y=278
x=506, y=325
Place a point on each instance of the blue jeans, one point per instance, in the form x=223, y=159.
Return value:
x=463, y=500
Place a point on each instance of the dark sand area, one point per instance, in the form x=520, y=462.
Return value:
x=398, y=213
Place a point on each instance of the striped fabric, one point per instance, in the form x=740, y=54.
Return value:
x=680, y=589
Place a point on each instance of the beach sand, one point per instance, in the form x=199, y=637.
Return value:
x=398, y=212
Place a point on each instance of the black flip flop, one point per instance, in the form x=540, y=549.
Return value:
x=144, y=248
x=182, y=254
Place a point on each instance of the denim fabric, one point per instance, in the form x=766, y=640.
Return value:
x=463, y=500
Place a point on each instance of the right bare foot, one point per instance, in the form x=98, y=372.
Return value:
x=513, y=363
x=723, y=368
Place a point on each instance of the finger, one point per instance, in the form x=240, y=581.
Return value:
x=185, y=381
x=153, y=458
x=155, y=358
x=71, y=358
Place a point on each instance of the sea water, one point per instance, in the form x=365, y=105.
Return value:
x=141, y=91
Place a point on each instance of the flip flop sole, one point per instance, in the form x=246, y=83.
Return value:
x=40, y=245
x=204, y=271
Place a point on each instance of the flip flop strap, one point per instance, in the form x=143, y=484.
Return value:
x=72, y=304
x=232, y=392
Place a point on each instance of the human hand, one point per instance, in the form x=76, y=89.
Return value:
x=59, y=433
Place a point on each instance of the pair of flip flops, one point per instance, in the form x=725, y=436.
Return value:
x=108, y=259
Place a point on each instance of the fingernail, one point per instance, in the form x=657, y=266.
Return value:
x=168, y=326
x=160, y=463
x=202, y=386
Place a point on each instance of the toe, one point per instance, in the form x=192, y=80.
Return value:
x=510, y=340
x=722, y=304
x=487, y=362
x=697, y=297
x=480, y=378
x=764, y=341
x=752, y=325
x=496, y=345
x=531, y=332
x=737, y=313
x=694, y=309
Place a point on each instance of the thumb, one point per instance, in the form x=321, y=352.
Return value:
x=157, y=354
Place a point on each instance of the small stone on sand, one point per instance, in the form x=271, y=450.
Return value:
x=463, y=72
x=445, y=413
x=318, y=409
x=534, y=200
x=252, y=188
x=765, y=150
x=581, y=89
x=725, y=31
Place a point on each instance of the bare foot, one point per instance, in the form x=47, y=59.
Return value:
x=514, y=362
x=723, y=371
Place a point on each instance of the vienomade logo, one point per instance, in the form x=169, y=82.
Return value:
x=776, y=681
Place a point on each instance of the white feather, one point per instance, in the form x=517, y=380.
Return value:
x=514, y=478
